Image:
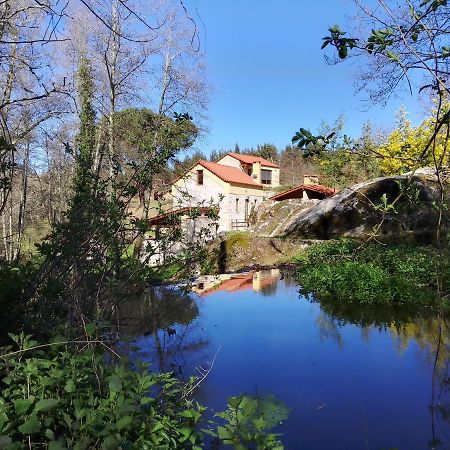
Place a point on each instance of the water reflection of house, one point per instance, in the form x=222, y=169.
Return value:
x=264, y=279
x=259, y=281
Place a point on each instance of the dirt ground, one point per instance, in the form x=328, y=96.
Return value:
x=242, y=250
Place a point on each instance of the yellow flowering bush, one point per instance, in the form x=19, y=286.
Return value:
x=402, y=151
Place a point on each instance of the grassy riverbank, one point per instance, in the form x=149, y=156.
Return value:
x=372, y=273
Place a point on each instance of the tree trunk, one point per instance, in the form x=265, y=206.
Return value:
x=23, y=203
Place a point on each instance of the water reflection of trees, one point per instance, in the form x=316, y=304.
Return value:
x=429, y=330
x=159, y=307
x=162, y=326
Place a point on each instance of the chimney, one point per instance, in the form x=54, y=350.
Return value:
x=310, y=179
x=256, y=172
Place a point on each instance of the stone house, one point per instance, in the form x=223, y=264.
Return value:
x=236, y=184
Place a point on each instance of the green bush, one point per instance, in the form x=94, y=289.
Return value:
x=247, y=420
x=73, y=395
x=372, y=273
x=54, y=397
x=14, y=281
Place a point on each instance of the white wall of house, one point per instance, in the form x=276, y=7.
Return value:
x=240, y=200
x=228, y=160
x=187, y=192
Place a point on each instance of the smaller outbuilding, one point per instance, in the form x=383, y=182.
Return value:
x=309, y=190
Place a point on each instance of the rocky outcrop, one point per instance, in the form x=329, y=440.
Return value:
x=359, y=210
x=273, y=217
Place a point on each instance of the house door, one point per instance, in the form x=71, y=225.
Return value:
x=247, y=206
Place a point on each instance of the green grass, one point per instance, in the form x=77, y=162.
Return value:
x=237, y=239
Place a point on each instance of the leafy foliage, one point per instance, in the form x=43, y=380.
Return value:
x=247, y=421
x=403, y=149
x=66, y=394
x=337, y=39
x=61, y=398
x=372, y=274
x=14, y=282
x=311, y=145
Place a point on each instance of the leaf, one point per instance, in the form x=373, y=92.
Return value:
x=225, y=434
x=234, y=402
x=186, y=432
x=31, y=426
x=46, y=405
x=248, y=405
x=445, y=52
x=49, y=434
x=158, y=426
x=56, y=445
x=110, y=443
x=22, y=405
x=189, y=414
x=124, y=422
x=115, y=385
x=70, y=386
x=90, y=329
x=392, y=56
x=82, y=444
x=343, y=52
x=259, y=423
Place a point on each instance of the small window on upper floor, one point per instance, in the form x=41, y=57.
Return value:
x=200, y=176
x=266, y=176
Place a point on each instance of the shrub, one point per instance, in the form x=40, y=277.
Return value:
x=372, y=273
x=55, y=397
x=70, y=394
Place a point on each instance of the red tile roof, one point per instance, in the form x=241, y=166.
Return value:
x=237, y=283
x=250, y=159
x=229, y=174
x=297, y=191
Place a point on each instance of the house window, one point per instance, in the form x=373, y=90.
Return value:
x=266, y=176
x=199, y=176
x=237, y=205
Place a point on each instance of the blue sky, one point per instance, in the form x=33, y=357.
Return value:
x=269, y=75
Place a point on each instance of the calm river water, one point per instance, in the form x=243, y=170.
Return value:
x=353, y=378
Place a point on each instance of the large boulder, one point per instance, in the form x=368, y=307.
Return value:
x=272, y=217
x=360, y=210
